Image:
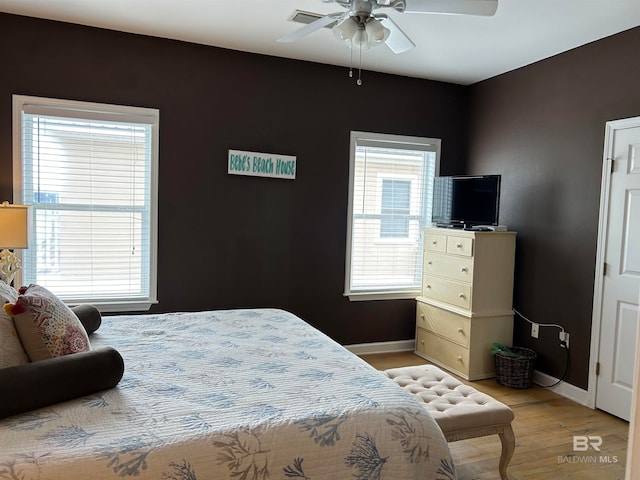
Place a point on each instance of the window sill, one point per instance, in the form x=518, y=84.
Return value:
x=117, y=307
x=367, y=296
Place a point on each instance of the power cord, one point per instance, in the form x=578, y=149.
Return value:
x=563, y=344
x=563, y=333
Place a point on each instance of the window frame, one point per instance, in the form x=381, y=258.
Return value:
x=110, y=112
x=391, y=141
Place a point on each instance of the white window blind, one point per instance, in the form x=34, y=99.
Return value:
x=88, y=171
x=395, y=211
x=390, y=194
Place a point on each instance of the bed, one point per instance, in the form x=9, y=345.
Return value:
x=247, y=394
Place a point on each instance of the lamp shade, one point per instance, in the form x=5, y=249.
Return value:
x=14, y=226
x=361, y=40
x=376, y=32
x=345, y=30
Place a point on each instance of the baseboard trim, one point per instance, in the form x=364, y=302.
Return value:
x=381, y=347
x=565, y=389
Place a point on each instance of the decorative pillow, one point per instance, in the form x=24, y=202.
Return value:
x=89, y=316
x=46, y=326
x=11, y=351
x=39, y=384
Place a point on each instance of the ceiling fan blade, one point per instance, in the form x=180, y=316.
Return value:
x=397, y=41
x=452, y=7
x=312, y=27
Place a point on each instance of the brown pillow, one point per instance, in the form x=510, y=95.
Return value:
x=89, y=316
x=39, y=384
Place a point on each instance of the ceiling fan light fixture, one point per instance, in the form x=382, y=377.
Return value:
x=360, y=35
x=346, y=30
x=360, y=40
x=376, y=32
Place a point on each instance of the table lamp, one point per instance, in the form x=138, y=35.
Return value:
x=14, y=233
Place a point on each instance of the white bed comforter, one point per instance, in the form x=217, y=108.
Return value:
x=238, y=394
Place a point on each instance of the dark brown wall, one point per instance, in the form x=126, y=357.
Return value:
x=542, y=128
x=228, y=241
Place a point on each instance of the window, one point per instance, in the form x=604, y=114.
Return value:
x=89, y=173
x=390, y=193
x=395, y=209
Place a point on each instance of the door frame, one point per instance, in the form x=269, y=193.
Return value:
x=633, y=450
x=603, y=222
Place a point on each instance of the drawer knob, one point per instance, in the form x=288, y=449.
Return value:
x=422, y=316
x=459, y=358
x=434, y=242
x=460, y=330
x=428, y=286
x=463, y=269
x=458, y=245
x=461, y=295
x=422, y=342
x=429, y=262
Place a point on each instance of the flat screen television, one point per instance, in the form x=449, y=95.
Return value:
x=466, y=201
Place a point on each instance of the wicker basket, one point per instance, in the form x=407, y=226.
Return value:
x=515, y=372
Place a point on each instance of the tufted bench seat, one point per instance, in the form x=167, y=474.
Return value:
x=461, y=411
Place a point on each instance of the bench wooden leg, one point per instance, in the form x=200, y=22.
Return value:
x=508, y=440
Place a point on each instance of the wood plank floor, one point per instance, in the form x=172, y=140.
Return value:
x=544, y=426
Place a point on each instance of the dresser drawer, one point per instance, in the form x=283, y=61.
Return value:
x=448, y=291
x=435, y=243
x=456, y=268
x=442, y=351
x=444, y=323
x=460, y=245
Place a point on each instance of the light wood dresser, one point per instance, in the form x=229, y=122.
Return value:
x=466, y=300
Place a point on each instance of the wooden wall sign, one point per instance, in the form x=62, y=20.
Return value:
x=256, y=164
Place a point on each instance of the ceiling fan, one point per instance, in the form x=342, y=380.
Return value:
x=361, y=26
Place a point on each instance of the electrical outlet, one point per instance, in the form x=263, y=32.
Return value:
x=534, y=330
x=564, y=337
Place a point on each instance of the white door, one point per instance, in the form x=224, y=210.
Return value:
x=620, y=269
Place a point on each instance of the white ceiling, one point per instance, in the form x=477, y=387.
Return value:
x=458, y=49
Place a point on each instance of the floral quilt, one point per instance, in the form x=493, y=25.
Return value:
x=233, y=394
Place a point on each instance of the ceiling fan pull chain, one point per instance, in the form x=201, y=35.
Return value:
x=351, y=62
x=359, y=81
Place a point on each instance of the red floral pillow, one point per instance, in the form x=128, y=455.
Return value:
x=46, y=326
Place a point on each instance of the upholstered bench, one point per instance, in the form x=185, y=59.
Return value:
x=461, y=411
